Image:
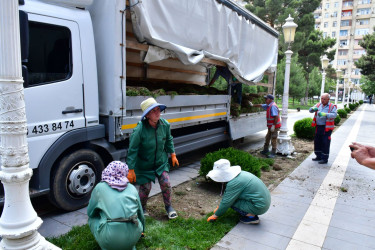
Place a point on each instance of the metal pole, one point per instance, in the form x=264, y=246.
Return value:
x=19, y=222
x=285, y=146
x=323, y=82
x=343, y=95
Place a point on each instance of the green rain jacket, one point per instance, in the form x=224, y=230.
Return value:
x=148, y=150
x=107, y=204
x=247, y=193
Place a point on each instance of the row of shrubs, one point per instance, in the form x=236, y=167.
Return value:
x=303, y=129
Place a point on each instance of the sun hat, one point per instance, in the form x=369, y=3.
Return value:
x=269, y=97
x=223, y=172
x=115, y=174
x=148, y=104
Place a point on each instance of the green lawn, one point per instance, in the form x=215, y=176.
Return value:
x=173, y=234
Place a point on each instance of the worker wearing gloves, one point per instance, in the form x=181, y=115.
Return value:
x=324, y=121
x=273, y=125
x=118, y=226
x=150, y=143
x=245, y=193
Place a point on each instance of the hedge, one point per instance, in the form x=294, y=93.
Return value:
x=342, y=113
x=246, y=161
x=303, y=129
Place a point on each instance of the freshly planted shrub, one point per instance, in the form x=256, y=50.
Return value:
x=342, y=113
x=352, y=106
x=246, y=161
x=337, y=120
x=360, y=101
x=302, y=129
x=348, y=110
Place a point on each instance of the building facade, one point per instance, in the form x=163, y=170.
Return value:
x=347, y=21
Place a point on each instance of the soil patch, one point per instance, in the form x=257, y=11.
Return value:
x=199, y=197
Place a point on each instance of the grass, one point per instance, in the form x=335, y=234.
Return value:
x=173, y=234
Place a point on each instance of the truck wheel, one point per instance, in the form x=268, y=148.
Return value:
x=73, y=179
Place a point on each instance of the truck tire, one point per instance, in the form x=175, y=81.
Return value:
x=73, y=179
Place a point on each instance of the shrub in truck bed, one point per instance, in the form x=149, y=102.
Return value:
x=246, y=161
x=302, y=128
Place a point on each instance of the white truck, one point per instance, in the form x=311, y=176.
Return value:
x=79, y=56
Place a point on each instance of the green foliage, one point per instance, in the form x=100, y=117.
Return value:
x=337, y=120
x=172, y=234
x=367, y=86
x=348, y=110
x=367, y=62
x=352, y=106
x=303, y=129
x=342, y=113
x=246, y=161
x=360, y=102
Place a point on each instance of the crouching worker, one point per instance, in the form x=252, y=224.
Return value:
x=115, y=213
x=245, y=193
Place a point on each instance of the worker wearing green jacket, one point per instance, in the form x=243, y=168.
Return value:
x=150, y=143
x=245, y=193
x=115, y=213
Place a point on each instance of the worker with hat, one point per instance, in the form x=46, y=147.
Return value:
x=245, y=193
x=147, y=158
x=273, y=125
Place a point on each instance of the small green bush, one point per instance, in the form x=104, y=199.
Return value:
x=352, y=106
x=348, y=110
x=360, y=101
x=337, y=120
x=302, y=128
x=246, y=161
x=345, y=105
x=342, y=113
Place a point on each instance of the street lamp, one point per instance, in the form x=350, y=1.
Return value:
x=285, y=146
x=349, y=85
x=346, y=78
x=338, y=75
x=325, y=61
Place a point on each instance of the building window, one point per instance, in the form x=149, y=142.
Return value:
x=343, y=32
x=347, y=3
x=359, y=52
x=343, y=43
x=334, y=24
x=317, y=26
x=326, y=25
x=346, y=13
x=361, y=32
x=364, y=1
x=363, y=21
x=326, y=15
x=324, y=34
x=345, y=23
x=357, y=41
x=343, y=52
x=356, y=72
x=355, y=81
x=316, y=16
x=334, y=14
x=333, y=33
x=336, y=4
x=327, y=5
x=364, y=11
x=341, y=62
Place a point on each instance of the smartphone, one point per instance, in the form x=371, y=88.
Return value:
x=352, y=149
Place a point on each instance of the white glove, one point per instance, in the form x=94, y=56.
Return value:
x=273, y=128
x=251, y=104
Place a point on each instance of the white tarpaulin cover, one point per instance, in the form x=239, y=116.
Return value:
x=194, y=29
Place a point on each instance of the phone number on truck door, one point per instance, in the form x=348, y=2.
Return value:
x=47, y=128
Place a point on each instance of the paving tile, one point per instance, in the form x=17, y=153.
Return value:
x=52, y=228
x=331, y=243
x=350, y=237
x=360, y=224
x=72, y=218
x=232, y=241
x=298, y=245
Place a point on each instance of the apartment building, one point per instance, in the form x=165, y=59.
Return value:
x=347, y=21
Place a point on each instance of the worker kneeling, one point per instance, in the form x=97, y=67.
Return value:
x=115, y=212
x=245, y=193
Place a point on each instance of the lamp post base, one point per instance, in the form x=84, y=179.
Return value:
x=284, y=145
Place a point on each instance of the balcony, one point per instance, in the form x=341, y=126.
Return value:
x=346, y=17
x=347, y=7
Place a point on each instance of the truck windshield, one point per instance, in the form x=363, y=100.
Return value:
x=50, y=53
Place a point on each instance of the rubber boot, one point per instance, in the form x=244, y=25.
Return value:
x=272, y=154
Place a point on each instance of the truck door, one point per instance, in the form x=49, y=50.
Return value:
x=54, y=89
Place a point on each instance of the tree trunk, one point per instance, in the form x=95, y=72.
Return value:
x=305, y=101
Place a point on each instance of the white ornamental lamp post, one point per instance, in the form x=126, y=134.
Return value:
x=285, y=146
x=338, y=75
x=346, y=78
x=349, y=85
x=325, y=61
x=19, y=222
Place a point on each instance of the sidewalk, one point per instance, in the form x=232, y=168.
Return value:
x=317, y=207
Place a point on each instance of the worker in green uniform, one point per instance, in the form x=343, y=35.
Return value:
x=245, y=193
x=150, y=143
x=115, y=213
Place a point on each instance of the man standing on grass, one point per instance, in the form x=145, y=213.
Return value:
x=324, y=121
x=273, y=125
